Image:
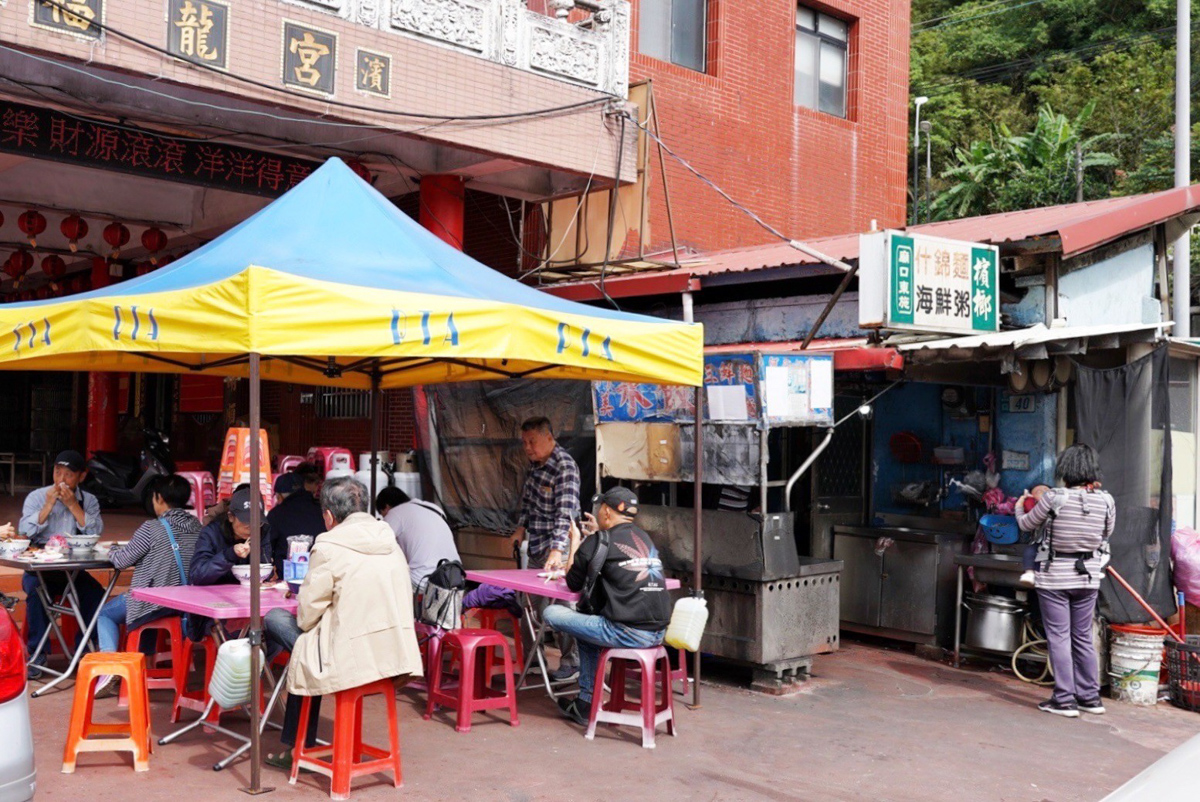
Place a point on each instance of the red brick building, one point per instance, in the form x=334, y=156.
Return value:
x=739, y=116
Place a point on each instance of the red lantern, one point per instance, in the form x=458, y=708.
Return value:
x=116, y=235
x=18, y=265
x=55, y=268
x=359, y=169
x=144, y=267
x=74, y=228
x=154, y=240
x=31, y=224
x=42, y=292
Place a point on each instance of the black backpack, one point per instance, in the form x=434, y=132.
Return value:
x=595, y=566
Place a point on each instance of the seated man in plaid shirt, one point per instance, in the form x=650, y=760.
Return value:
x=549, y=506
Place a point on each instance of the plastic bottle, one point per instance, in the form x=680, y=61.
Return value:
x=687, y=623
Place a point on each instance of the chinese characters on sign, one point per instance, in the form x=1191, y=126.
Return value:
x=941, y=285
x=70, y=16
x=47, y=134
x=309, y=58
x=198, y=31
x=373, y=73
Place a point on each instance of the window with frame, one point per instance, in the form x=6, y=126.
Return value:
x=822, y=55
x=336, y=402
x=675, y=31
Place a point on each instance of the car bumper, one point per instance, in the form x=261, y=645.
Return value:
x=18, y=776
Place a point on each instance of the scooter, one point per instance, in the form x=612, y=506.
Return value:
x=118, y=482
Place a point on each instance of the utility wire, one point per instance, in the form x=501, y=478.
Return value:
x=922, y=27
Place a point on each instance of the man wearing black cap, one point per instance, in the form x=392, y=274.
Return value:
x=225, y=543
x=629, y=605
x=63, y=508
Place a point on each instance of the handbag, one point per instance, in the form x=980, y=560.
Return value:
x=442, y=598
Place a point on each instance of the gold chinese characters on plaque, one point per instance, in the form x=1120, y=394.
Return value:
x=198, y=31
x=373, y=73
x=309, y=58
x=78, y=17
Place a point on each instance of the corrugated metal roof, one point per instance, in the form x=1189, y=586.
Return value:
x=1023, y=338
x=1079, y=227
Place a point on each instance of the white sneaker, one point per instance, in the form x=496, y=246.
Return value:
x=1027, y=579
x=106, y=687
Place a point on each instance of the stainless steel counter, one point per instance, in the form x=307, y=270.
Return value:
x=907, y=590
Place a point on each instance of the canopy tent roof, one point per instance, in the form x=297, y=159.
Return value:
x=332, y=284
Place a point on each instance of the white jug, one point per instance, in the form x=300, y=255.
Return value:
x=687, y=623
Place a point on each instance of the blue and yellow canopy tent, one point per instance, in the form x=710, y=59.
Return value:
x=332, y=285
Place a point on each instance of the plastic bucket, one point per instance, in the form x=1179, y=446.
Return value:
x=1135, y=659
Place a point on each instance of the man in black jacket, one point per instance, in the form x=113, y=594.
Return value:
x=629, y=598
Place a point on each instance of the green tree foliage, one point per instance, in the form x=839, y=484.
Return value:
x=994, y=69
x=1021, y=171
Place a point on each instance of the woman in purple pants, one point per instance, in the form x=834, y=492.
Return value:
x=1079, y=519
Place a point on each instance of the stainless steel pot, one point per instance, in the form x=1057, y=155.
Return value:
x=993, y=622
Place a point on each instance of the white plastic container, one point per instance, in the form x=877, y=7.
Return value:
x=1135, y=662
x=687, y=624
x=231, y=677
x=364, y=479
x=339, y=473
x=364, y=459
x=410, y=483
x=340, y=462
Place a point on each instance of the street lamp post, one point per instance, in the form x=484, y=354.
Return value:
x=916, y=168
x=926, y=128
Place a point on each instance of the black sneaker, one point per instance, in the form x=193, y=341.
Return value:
x=574, y=710
x=565, y=673
x=34, y=670
x=1092, y=706
x=1051, y=706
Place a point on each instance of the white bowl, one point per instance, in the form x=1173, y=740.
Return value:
x=82, y=541
x=242, y=572
x=13, y=546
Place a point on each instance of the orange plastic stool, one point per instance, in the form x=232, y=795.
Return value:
x=649, y=713
x=173, y=678
x=133, y=736
x=341, y=760
x=474, y=692
x=488, y=618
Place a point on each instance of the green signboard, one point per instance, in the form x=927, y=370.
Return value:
x=936, y=284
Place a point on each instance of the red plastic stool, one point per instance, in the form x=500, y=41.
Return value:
x=488, y=617
x=341, y=760
x=649, y=713
x=474, y=692
x=173, y=678
x=678, y=674
x=198, y=699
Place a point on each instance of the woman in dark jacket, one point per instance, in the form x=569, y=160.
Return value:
x=225, y=543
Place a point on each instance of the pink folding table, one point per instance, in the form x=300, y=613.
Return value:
x=526, y=582
x=222, y=603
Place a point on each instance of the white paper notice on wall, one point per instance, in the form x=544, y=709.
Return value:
x=821, y=383
x=1014, y=461
x=727, y=402
x=775, y=377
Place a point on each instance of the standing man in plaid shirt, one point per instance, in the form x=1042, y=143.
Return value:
x=549, y=507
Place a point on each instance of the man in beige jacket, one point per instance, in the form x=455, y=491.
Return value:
x=354, y=624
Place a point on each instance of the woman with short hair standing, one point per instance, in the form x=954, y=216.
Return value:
x=1078, y=517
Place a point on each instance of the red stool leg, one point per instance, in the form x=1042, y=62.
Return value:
x=648, y=703
x=344, y=719
x=394, y=737
x=668, y=703
x=466, y=689
x=301, y=732
x=510, y=690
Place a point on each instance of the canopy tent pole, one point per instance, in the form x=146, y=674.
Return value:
x=375, y=398
x=697, y=498
x=255, y=581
